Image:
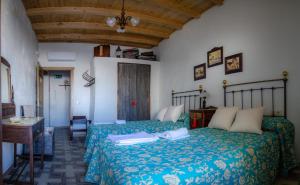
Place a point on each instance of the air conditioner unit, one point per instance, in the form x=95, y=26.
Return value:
x=61, y=56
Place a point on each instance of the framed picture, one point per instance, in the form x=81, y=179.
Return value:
x=200, y=72
x=215, y=57
x=234, y=63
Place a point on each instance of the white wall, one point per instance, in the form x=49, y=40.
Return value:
x=80, y=100
x=18, y=46
x=267, y=32
x=106, y=86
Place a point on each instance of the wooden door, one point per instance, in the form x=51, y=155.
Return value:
x=39, y=91
x=126, y=91
x=133, y=92
x=143, y=92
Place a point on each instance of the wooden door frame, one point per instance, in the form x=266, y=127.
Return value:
x=67, y=69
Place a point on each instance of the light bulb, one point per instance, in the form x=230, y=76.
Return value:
x=111, y=21
x=134, y=21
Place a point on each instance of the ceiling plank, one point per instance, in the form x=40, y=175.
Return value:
x=99, y=41
x=217, y=2
x=98, y=26
x=92, y=37
x=102, y=12
x=176, y=7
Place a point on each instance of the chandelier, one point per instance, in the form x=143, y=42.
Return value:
x=122, y=20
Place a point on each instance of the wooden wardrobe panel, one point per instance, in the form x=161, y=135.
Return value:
x=126, y=91
x=143, y=92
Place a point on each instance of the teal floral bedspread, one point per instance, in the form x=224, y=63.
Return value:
x=98, y=133
x=286, y=133
x=209, y=156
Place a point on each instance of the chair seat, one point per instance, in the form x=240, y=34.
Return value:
x=78, y=127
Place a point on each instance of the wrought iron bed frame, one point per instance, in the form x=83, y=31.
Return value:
x=262, y=89
x=189, y=97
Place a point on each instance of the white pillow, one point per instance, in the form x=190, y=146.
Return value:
x=223, y=118
x=248, y=120
x=160, y=116
x=173, y=113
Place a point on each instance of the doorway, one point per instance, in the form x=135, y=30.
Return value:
x=57, y=96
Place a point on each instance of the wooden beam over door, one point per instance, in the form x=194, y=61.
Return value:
x=103, y=12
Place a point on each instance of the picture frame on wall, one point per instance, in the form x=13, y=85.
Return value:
x=234, y=63
x=215, y=57
x=200, y=72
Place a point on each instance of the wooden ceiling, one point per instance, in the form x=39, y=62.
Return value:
x=84, y=20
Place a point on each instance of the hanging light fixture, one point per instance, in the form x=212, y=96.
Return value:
x=122, y=20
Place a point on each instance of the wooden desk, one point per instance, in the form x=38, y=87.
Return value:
x=25, y=132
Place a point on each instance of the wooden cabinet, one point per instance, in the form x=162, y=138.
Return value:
x=102, y=51
x=133, y=91
x=201, y=117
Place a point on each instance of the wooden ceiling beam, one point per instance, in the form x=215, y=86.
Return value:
x=174, y=6
x=98, y=26
x=107, y=37
x=217, y=2
x=102, y=12
x=99, y=41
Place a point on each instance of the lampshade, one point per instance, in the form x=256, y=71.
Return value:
x=134, y=21
x=203, y=94
x=121, y=30
x=111, y=21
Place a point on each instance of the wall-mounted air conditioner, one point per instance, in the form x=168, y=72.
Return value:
x=61, y=56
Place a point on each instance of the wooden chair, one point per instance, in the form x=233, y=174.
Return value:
x=78, y=124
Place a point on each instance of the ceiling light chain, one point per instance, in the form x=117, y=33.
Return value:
x=122, y=20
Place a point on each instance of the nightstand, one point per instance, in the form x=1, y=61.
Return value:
x=201, y=117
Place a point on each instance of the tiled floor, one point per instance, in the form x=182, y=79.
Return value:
x=68, y=168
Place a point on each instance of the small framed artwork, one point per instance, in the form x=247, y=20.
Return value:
x=234, y=63
x=200, y=72
x=215, y=57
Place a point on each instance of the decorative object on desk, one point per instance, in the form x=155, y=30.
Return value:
x=215, y=57
x=200, y=72
x=27, y=111
x=87, y=77
x=122, y=20
x=102, y=51
x=118, y=52
x=234, y=63
x=131, y=53
x=66, y=84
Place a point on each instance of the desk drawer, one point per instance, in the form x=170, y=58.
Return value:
x=16, y=135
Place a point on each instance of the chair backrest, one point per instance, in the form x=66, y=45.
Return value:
x=78, y=117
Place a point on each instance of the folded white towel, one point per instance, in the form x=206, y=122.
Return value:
x=120, y=121
x=174, y=134
x=130, y=139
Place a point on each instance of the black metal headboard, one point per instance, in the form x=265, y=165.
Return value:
x=264, y=90
x=193, y=99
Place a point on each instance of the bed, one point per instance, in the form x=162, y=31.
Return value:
x=208, y=156
x=190, y=99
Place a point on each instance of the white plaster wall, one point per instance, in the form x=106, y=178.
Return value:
x=267, y=32
x=18, y=46
x=80, y=100
x=106, y=86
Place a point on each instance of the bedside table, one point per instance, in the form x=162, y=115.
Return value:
x=201, y=117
